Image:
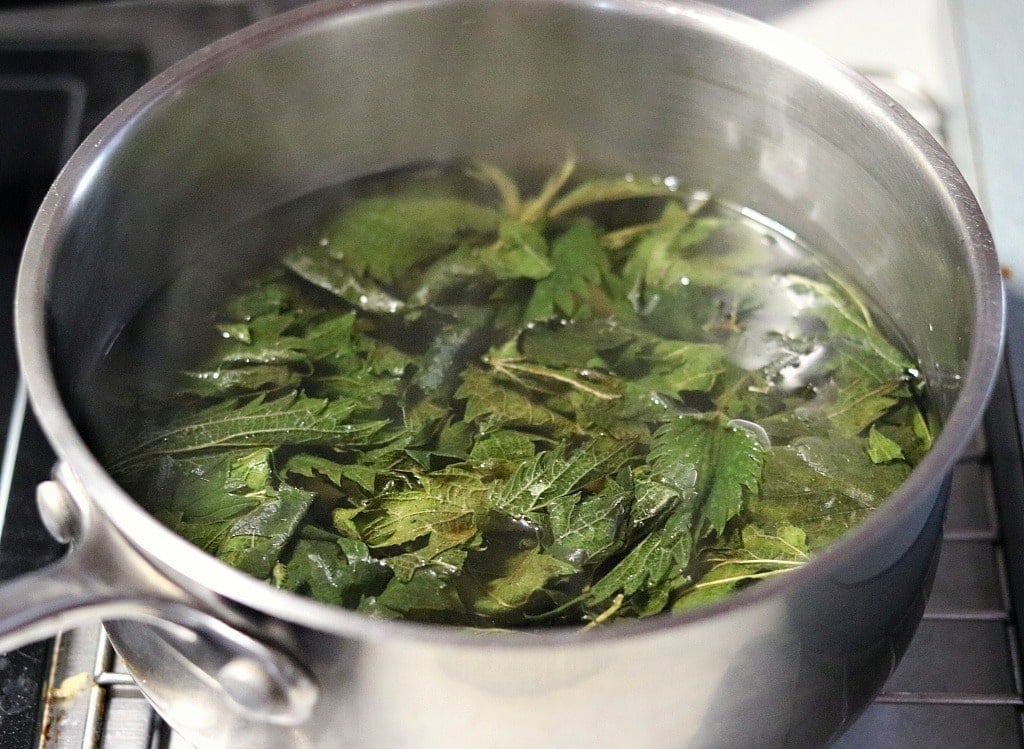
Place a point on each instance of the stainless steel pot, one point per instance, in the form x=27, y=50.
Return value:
x=336, y=90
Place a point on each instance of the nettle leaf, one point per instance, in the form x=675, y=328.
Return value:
x=336, y=572
x=291, y=419
x=823, y=485
x=440, y=552
x=305, y=464
x=387, y=236
x=739, y=455
x=504, y=585
x=659, y=559
x=577, y=263
x=860, y=404
x=723, y=252
x=611, y=189
x=555, y=473
x=881, y=449
x=270, y=339
x=659, y=258
x=847, y=317
x=428, y=595
x=520, y=252
x=572, y=343
x=494, y=405
x=550, y=381
x=208, y=494
x=680, y=366
x=269, y=297
x=254, y=542
x=870, y=372
x=212, y=488
x=761, y=555
x=225, y=382
x=719, y=462
x=321, y=269
x=587, y=529
x=448, y=503
x=362, y=386
x=504, y=444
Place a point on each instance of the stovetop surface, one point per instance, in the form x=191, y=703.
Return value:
x=958, y=685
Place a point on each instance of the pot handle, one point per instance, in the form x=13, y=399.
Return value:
x=103, y=578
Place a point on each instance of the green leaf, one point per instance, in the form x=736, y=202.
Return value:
x=860, y=404
x=255, y=540
x=335, y=572
x=718, y=462
x=291, y=419
x=658, y=559
x=572, y=343
x=848, y=318
x=555, y=473
x=680, y=366
x=881, y=449
x=921, y=430
x=659, y=258
x=269, y=297
x=823, y=485
x=504, y=444
x=520, y=252
x=506, y=584
x=225, y=382
x=494, y=405
x=428, y=595
x=387, y=236
x=207, y=495
x=739, y=455
x=309, y=466
x=447, y=503
x=789, y=542
x=587, y=529
x=368, y=389
x=870, y=372
x=324, y=270
x=761, y=556
x=578, y=262
x=455, y=440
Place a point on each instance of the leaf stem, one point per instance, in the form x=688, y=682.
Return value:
x=534, y=210
x=485, y=171
x=738, y=578
x=605, y=615
x=508, y=366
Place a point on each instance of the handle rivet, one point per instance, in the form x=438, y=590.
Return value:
x=249, y=684
x=58, y=511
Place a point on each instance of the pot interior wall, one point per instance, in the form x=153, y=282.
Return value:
x=520, y=83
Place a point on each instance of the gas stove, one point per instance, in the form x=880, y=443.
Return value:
x=952, y=63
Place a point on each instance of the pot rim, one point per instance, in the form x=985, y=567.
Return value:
x=185, y=562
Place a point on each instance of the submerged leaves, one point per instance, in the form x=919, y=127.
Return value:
x=588, y=404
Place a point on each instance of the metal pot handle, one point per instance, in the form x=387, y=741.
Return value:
x=102, y=577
